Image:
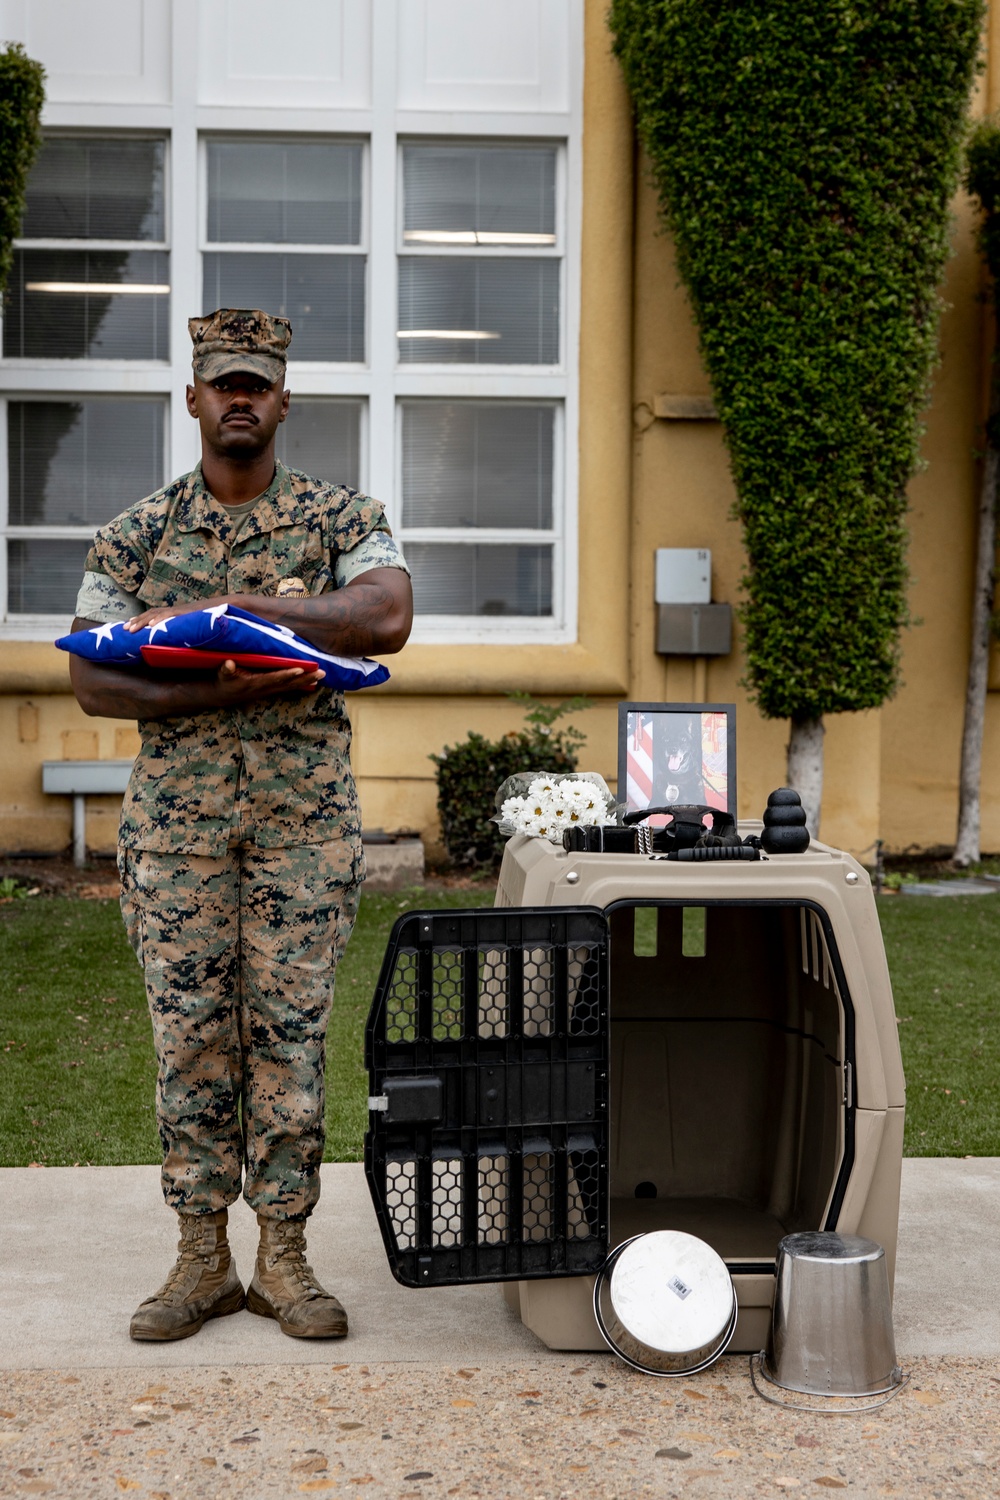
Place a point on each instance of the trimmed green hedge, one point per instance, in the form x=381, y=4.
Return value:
x=805, y=156
x=22, y=94
x=469, y=774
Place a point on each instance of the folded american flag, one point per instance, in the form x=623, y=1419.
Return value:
x=205, y=637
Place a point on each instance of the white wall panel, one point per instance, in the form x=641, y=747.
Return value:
x=302, y=54
x=97, y=52
x=482, y=55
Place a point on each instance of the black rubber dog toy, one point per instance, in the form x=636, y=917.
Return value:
x=785, y=830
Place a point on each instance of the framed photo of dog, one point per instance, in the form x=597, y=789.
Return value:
x=679, y=754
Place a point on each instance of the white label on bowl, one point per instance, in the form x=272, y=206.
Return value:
x=679, y=1287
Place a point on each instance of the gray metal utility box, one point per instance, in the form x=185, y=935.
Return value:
x=627, y=1043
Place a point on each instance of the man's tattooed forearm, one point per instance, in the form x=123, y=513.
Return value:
x=348, y=620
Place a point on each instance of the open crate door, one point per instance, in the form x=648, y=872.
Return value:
x=487, y=1056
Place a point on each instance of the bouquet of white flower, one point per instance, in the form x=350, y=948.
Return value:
x=543, y=806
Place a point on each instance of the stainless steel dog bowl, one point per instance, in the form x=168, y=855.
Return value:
x=831, y=1323
x=665, y=1303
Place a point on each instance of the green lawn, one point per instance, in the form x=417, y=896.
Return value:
x=76, y=1048
x=944, y=958
x=347, y=1091
x=77, y=1068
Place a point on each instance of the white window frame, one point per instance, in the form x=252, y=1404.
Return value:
x=520, y=384
x=274, y=247
x=555, y=252
x=27, y=626
x=314, y=379
x=381, y=382
x=35, y=378
x=36, y=362
x=436, y=627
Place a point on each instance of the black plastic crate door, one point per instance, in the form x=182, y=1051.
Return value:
x=487, y=1056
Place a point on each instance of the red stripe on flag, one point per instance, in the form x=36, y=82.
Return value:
x=639, y=766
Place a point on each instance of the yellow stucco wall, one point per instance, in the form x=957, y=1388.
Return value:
x=922, y=725
x=892, y=773
x=645, y=482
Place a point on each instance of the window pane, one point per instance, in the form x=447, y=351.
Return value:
x=323, y=439
x=51, y=315
x=303, y=193
x=480, y=580
x=99, y=190
x=79, y=463
x=479, y=194
x=322, y=295
x=480, y=312
x=471, y=463
x=43, y=577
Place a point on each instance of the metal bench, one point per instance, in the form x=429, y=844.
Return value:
x=79, y=779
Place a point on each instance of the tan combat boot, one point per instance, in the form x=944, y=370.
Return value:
x=284, y=1287
x=203, y=1283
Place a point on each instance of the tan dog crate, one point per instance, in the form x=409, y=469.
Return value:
x=627, y=1043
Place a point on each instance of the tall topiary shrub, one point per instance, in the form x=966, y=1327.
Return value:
x=469, y=774
x=805, y=156
x=22, y=94
x=982, y=179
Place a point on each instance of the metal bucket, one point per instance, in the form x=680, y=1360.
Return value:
x=831, y=1323
x=665, y=1302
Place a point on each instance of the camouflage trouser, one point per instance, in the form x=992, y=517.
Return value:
x=239, y=956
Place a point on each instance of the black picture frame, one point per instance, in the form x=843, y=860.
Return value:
x=674, y=769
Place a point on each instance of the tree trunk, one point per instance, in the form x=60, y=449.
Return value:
x=805, y=767
x=970, y=776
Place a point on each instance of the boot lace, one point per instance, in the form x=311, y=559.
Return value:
x=288, y=1252
x=190, y=1251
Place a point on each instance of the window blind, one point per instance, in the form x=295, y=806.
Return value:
x=322, y=295
x=88, y=304
x=79, y=463
x=298, y=193
x=43, y=576
x=480, y=580
x=500, y=191
x=323, y=439
x=477, y=464
x=89, y=189
x=454, y=310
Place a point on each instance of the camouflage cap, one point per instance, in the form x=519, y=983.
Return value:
x=239, y=338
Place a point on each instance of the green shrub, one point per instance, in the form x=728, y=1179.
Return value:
x=805, y=156
x=22, y=94
x=469, y=774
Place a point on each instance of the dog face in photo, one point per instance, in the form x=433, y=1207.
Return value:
x=677, y=760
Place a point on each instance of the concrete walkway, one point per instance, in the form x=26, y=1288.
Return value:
x=83, y=1246
x=442, y=1393
x=88, y=1244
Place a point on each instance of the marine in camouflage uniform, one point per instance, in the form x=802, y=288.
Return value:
x=240, y=845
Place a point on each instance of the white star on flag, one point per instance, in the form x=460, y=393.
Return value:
x=103, y=633
x=153, y=629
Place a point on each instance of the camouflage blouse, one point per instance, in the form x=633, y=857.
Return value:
x=292, y=753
